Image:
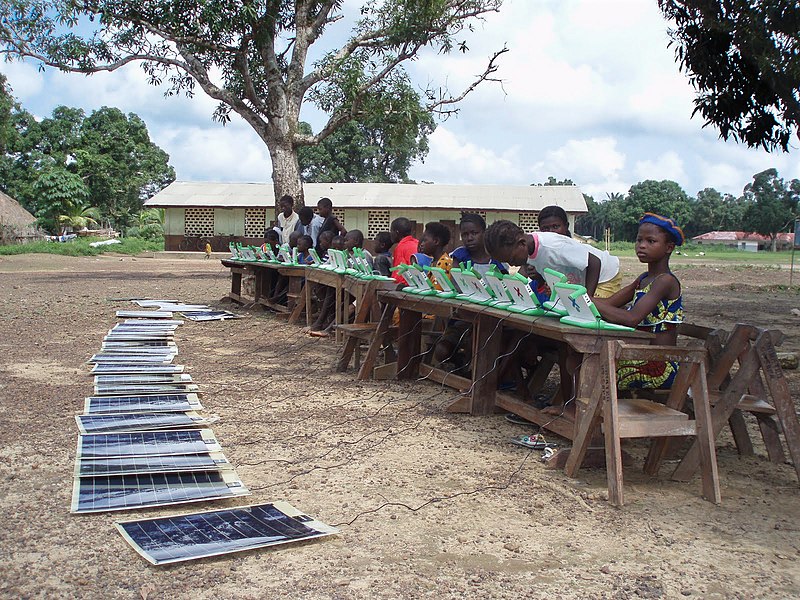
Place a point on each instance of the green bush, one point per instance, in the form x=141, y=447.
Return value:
x=80, y=247
x=153, y=232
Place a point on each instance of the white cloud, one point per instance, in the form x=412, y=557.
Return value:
x=459, y=161
x=666, y=166
x=588, y=86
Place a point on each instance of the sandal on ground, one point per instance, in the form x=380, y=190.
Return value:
x=319, y=334
x=534, y=442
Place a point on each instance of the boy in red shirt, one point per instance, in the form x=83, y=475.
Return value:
x=407, y=245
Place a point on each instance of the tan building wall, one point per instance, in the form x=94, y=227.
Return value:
x=226, y=222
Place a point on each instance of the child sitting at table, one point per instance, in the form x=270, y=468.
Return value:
x=456, y=342
x=473, y=250
x=401, y=230
x=271, y=239
x=304, y=244
x=382, y=244
x=596, y=270
x=431, y=247
x=355, y=239
x=337, y=243
x=324, y=242
x=654, y=303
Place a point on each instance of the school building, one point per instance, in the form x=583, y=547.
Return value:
x=242, y=211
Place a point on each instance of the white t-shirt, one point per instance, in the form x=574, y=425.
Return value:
x=568, y=256
x=287, y=225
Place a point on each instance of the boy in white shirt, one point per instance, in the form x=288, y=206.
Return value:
x=287, y=218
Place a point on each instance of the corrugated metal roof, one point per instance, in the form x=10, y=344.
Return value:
x=733, y=236
x=376, y=195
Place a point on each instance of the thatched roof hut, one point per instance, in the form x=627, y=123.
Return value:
x=12, y=213
x=16, y=223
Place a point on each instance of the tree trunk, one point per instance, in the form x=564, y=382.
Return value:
x=286, y=174
x=774, y=243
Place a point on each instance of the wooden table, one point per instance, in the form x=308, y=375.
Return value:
x=329, y=278
x=479, y=394
x=265, y=274
x=367, y=310
x=238, y=269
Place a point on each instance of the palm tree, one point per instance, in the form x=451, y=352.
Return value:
x=79, y=216
x=151, y=215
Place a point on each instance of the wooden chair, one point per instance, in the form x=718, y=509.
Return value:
x=638, y=418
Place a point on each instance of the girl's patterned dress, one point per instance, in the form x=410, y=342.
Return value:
x=652, y=374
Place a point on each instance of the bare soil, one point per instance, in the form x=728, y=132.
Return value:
x=429, y=504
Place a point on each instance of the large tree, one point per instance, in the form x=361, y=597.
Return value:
x=380, y=147
x=743, y=59
x=105, y=160
x=772, y=204
x=252, y=56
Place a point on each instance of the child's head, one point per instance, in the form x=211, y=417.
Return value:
x=657, y=238
x=306, y=214
x=324, y=207
x=434, y=239
x=324, y=241
x=383, y=241
x=272, y=238
x=338, y=242
x=400, y=228
x=472, y=229
x=293, y=237
x=506, y=242
x=554, y=219
x=353, y=239
x=286, y=204
x=304, y=244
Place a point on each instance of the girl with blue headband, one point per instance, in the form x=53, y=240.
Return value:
x=652, y=302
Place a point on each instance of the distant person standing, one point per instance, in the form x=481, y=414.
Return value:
x=331, y=223
x=208, y=249
x=287, y=218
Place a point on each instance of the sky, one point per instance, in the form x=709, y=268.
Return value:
x=590, y=91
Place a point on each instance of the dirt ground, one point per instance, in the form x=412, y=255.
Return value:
x=430, y=504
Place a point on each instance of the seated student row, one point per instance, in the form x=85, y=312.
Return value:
x=653, y=300
x=654, y=297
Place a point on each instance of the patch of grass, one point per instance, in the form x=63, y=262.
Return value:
x=80, y=247
x=699, y=254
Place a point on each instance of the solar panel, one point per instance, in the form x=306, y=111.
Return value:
x=141, y=403
x=130, y=358
x=147, y=327
x=147, y=443
x=150, y=351
x=143, y=314
x=153, y=322
x=178, y=307
x=142, y=378
x=117, y=369
x=129, y=465
x=139, y=422
x=139, y=344
x=177, y=538
x=153, y=388
x=122, y=492
x=210, y=315
x=138, y=337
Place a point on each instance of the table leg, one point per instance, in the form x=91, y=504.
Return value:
x=408, y=346
x=486, y=347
